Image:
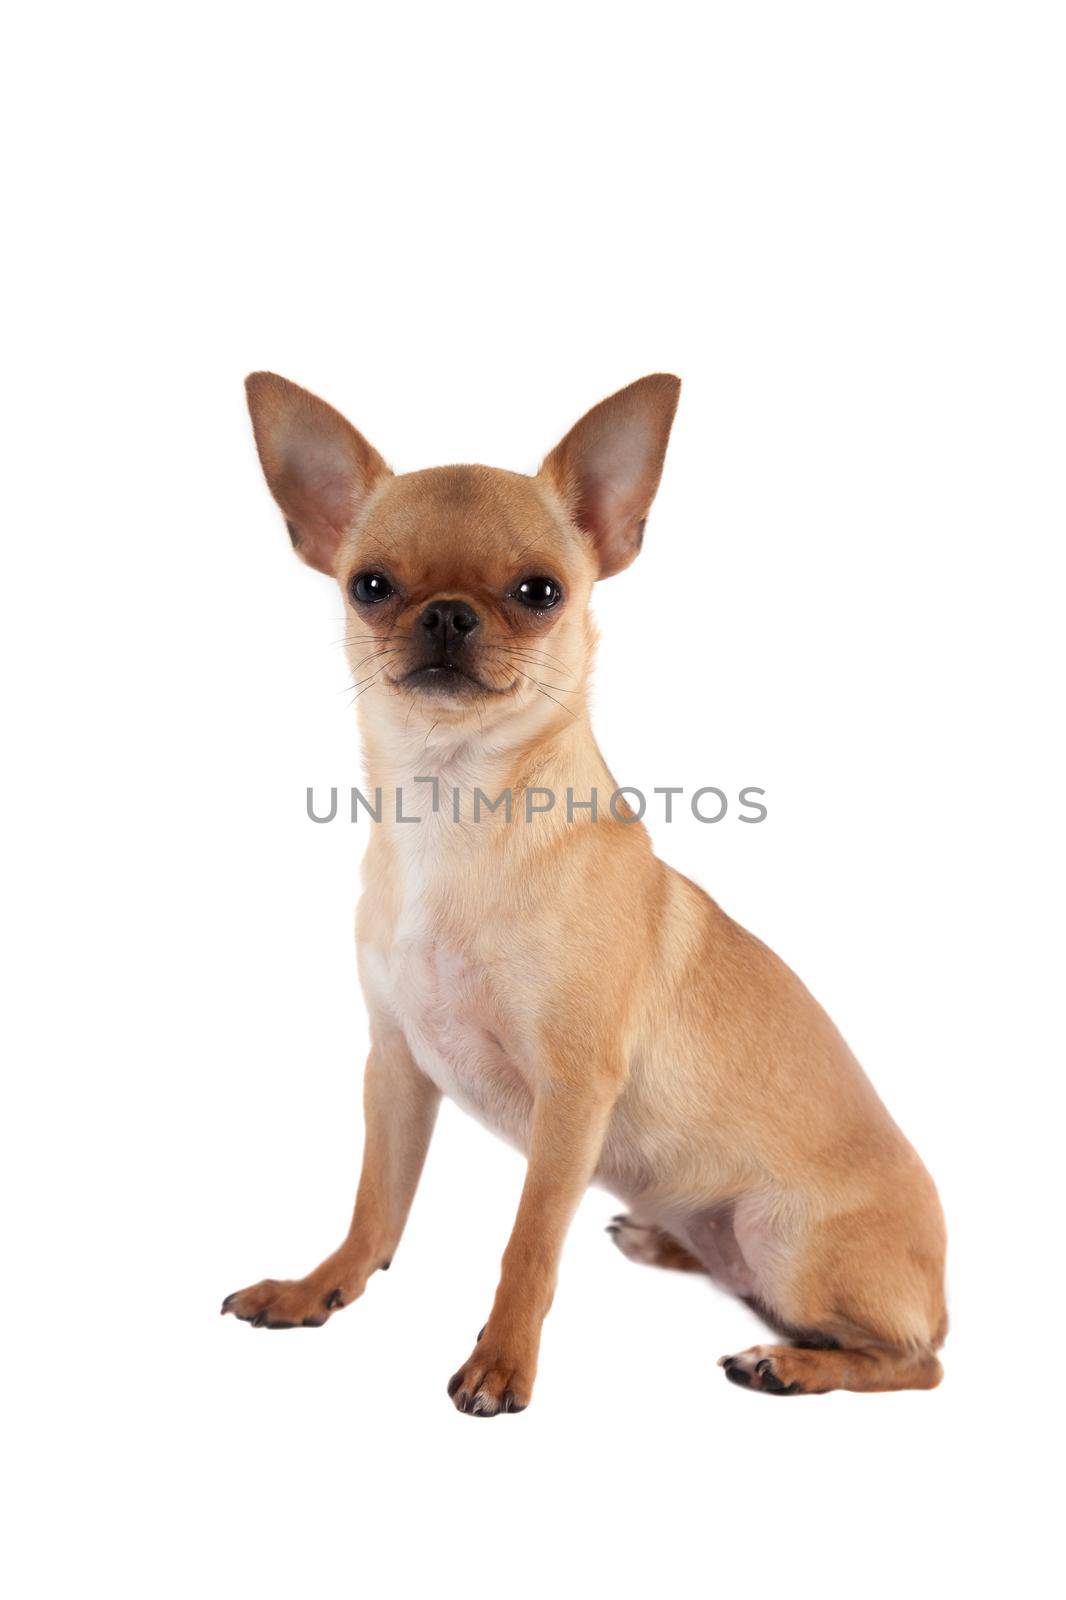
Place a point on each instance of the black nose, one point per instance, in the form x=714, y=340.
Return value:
x=446, y=620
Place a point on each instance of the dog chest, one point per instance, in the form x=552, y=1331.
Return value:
x=441, y=1001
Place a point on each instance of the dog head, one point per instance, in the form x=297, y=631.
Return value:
x=466, y=588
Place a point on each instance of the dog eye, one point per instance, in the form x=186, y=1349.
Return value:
x=539, y=594
x=370, y=588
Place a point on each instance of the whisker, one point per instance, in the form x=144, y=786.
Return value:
x=372, y=657
x=533, y=649
x=375, y=540
x=365, y=638
x=569, y=711
x=377, y=655
x=358, y=681
x=523, y=550
x=556, y=662
x=541, y=690
x=562, y=687
x=373, y=679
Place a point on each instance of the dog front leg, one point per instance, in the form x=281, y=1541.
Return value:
x=400, y=1106
x=570, y=1117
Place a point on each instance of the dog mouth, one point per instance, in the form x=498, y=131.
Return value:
x=446, y=678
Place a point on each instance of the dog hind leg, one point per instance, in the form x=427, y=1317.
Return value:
x=861, y=1297
x=795, y=1369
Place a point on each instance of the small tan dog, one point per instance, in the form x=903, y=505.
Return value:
x=547, y=971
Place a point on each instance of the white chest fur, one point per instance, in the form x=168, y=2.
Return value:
x=440, y=995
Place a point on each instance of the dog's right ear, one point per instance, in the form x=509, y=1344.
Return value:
x=607, y=468
x=320, y=470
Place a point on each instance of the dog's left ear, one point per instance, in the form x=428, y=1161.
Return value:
x=321, y=471
x=607, y=469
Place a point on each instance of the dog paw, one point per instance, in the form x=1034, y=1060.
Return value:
x=288, y=1303
x=490, y=1384
x=651, y=1245
x=637, y=1240
x=762, y=1368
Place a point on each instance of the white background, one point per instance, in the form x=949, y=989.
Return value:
x=843, y=226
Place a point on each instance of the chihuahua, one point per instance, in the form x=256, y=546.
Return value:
x=545, y=969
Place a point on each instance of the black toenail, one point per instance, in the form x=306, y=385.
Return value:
x=737, y=1374
x=281, y=1324
x=334, y=1300
x=454, y=1382
x=771, y=1383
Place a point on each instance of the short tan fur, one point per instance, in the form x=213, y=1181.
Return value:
x=552, y=975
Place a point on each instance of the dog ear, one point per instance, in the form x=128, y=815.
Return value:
x=607, y=468
x=320, y=470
